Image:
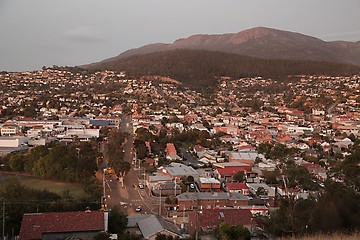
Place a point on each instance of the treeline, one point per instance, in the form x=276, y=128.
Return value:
x=199, y=69
x=18, y=199
x=115, y=152
x=72, y=162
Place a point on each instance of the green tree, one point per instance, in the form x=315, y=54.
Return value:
x=239, y=176
x=227, y=232
x=165, y=237
x=117, y=221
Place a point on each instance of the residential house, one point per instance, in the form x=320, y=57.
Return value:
x=254, y=187
x=177, y=171
x=239, y=187
x=63, y=225
x=149, y=226
x=246, y=157
x=188, y=201
x=207, y=220
x=209, y=184
x=227, y=173
x=171, y=153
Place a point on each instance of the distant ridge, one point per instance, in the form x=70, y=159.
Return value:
x=262, y=42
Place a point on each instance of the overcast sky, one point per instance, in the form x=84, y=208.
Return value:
x=36, y=33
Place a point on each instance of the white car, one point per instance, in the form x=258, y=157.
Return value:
x=138, y=209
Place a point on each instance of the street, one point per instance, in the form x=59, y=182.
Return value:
x=130, y=196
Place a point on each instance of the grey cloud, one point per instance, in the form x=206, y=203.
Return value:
x=84, y=34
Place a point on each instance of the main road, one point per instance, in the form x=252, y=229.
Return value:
x=129, y=196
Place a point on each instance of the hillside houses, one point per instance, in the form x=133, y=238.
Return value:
x=313, y=118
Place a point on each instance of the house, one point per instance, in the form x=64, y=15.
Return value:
x=254, y=188
x=171, y=153
x=156, y=178
x=149, y=226
x=177, y=171
x=189, y=201
x=247, y=157
x=239, y=187
x=343, y=143
x=9, y=129
x=207, y=220
x=227, y=173
x=166, y=189
x=209, y=184
x=61, y=225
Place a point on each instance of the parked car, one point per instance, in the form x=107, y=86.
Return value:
x=138, y=209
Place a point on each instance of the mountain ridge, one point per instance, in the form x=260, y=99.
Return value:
x=262, y=42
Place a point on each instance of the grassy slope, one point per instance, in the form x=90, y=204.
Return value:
x=336, y=236
x=53, y=186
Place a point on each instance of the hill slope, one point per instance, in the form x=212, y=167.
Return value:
x=265, y=43
x=199, y=68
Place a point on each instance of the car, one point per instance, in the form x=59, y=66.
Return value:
x=138, y=209
x=192, y=185
x=141, y=186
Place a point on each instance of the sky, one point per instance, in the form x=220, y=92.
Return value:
x=37, y=33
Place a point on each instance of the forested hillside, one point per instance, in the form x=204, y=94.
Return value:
x=199, y=69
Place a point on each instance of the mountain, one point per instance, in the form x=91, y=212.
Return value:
x=200, y=69
x=199, y=60
x=261, y=42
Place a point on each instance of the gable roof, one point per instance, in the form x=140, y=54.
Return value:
x=208, y=219
x=152, y=225
x=35, y=224
x=229, y=171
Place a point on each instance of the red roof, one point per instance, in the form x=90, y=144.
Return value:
x=209, y=219
x=310, y=166
x=170, y=149
x=233, y=170
x=236, y=186
x=34, y=224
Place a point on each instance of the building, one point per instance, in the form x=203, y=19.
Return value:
x=227, y=173
x=207, y=200
x=207, y=220
x=149, y=226
x=63, y=225
x=209, y=184
x=177, y=171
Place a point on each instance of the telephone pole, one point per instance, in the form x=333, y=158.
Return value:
x=3, y=221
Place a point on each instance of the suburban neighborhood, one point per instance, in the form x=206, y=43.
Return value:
x=198, y=160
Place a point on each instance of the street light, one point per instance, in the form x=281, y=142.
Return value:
x=3, y=221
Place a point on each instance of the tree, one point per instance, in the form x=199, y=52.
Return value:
x=239, y=176
x=102, y=236
x=117, y=220
x=261, y=191
x=165, y=237
x=227, y=232
x=121, y=169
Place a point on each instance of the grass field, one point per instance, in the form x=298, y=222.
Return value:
x=54, y=186
x=51, y=185
x=335, y=236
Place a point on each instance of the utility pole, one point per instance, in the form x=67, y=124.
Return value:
x=160, y=201
x=3, y=222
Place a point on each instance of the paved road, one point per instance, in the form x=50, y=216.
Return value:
x=129, y=196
